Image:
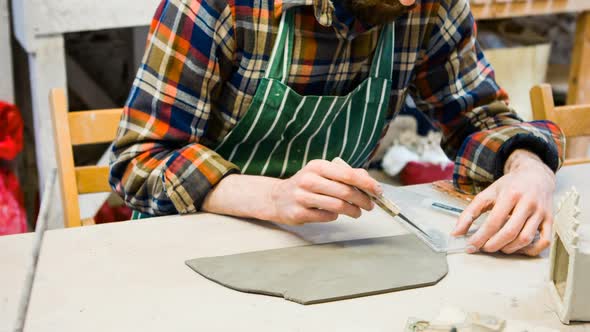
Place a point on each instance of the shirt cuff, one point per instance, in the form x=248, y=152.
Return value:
x=191, y=173
x=543, y=149
x=482, y=156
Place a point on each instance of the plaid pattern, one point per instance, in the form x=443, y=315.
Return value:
x=497, y=143
x=204, y=60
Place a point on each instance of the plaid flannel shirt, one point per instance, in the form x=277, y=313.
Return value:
x=204, y=59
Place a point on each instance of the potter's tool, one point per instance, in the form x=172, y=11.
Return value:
x=386, y=204
x=455, y=211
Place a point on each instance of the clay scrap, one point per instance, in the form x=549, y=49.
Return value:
x=329, y=272
x=455, y=319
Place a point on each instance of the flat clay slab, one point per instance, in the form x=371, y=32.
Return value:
x=329, y=272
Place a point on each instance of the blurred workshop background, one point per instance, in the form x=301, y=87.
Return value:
x=93, y=49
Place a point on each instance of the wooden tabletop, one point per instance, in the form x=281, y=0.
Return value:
x=132, y=276
x=15, y=259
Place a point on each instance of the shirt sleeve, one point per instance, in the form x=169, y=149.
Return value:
x=454, y=84
x=159, y=164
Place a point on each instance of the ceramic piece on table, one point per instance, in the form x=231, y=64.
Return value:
x=570, y=262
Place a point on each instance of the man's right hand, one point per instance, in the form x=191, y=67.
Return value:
x=320, y=192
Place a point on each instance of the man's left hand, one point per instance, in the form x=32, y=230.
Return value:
x=521, y=202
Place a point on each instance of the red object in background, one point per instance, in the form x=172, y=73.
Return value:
x=11, y=131
x=108, y=213
x=13, y=219
x=418, y=173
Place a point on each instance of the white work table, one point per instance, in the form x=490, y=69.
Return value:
x=15, y=262
x=132, y=277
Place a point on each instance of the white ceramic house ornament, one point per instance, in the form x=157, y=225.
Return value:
x=570, y=262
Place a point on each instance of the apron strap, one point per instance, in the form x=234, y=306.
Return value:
x=281, y=56
x=384, y=57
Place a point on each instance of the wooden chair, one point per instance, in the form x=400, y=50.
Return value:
x=573, y=120
x=73, y=129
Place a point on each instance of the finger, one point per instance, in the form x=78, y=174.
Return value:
x=480, y=204
x=356, y=177
x=526, y=235
x=536, y=248
x=319, y=185
x=330, y=204
x=303, y=216
x=495, y=221
x=511, y=230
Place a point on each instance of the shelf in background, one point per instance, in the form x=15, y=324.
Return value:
x=493, y=9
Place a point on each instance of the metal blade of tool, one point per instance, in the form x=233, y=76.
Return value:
x=393, y=210
x=386, y=205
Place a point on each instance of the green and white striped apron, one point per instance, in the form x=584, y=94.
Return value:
x=282, y=131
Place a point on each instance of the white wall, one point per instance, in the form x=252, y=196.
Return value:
x=6, y=84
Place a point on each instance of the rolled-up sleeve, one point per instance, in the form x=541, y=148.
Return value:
x=159, y=163
x=455, y=85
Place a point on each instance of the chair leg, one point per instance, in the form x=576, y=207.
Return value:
x=88, y=222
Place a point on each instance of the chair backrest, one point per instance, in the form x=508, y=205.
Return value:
x=73, y=129
x=573, y=120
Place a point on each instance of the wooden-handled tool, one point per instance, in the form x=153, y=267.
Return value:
x=383, y=202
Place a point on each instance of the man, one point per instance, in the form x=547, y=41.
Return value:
x=238, y=106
